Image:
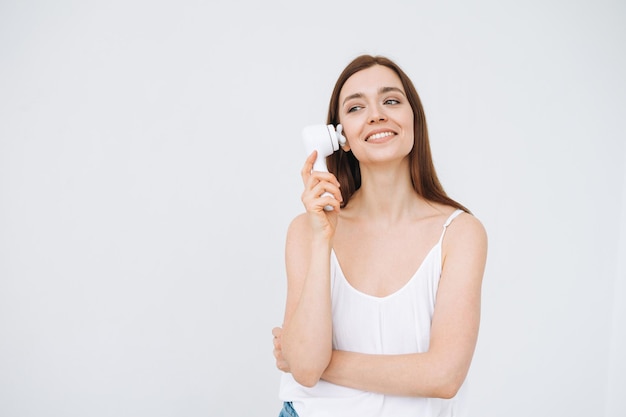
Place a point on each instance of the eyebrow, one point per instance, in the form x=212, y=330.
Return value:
x=382, y=90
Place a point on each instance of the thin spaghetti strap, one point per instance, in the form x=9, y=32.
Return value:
x=452, y=217
x=447, y=223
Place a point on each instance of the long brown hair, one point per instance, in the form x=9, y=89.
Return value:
x=346, y=167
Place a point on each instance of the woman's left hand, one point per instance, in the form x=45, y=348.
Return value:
x=281, y=363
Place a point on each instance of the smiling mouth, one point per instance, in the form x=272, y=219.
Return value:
x=379, y=136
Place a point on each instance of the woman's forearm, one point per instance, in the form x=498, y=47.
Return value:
x=415, y=375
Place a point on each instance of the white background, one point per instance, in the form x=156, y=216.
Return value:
x=149, y=166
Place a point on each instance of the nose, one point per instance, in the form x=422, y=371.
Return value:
x=377, y=114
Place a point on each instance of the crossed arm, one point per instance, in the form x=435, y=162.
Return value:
x=304, y=346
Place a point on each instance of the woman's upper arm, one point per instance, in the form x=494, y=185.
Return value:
x=456, y=318
x=297, y=254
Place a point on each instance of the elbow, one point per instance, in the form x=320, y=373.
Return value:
x=446, y=391
x=447, y=386
x=306, y=366
x=306, y=377
x=444, y=374
x=307, y=371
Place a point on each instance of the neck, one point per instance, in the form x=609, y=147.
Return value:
x=386, y=194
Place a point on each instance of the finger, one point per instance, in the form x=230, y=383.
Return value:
x=283, y=366
x=331, y=201
x=323, y=176
x=319, y=204
x=308, y=166
x=320, y=190
x=281, y=363
x=277, y=331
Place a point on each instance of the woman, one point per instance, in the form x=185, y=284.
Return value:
x=383, y=298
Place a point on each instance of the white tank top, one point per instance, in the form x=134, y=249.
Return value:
x=395, y=324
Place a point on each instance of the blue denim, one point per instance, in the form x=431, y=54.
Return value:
x=288, y=410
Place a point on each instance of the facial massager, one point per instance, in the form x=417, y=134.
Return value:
x=325, y=140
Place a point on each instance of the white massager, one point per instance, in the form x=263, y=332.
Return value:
x=325, y=140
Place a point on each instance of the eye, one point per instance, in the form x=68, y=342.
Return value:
x=391, y=101
x=354, y=108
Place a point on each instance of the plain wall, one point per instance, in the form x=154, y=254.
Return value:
x=617, y=346
x=149, y=167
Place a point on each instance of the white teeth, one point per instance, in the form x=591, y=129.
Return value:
x=380, y=135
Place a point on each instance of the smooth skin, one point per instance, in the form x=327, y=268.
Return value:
x=381, y=238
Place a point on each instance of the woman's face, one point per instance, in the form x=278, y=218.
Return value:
x=376, y=115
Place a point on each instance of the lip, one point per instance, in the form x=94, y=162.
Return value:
x=383, y=139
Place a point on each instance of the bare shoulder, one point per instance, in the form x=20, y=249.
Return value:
x=468, y=226
x=299, y=229
x=466, y=235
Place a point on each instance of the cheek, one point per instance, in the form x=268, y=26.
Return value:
x=349, y=129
